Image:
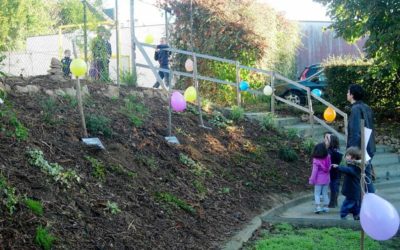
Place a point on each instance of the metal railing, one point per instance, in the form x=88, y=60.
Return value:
x=273, y=75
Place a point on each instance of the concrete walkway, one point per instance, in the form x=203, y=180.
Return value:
x=300, y=211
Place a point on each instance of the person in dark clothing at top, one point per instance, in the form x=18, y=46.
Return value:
x=66, y=62
x=332, y=144
x=162, y=56
x=351, y=188
x=360, y=110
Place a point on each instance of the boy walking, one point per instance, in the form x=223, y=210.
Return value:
x=351, y=188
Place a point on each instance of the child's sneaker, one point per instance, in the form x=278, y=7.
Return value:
x=325, y=209
x=318, y=210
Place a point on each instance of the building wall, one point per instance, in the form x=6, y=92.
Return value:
x=319, y=43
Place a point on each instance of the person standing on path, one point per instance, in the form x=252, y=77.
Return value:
x=360, y=110
x=162, y=56
x=320, y=176
x=351, y=188
x=332, y=144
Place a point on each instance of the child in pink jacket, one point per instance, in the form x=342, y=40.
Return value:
x=320, y=177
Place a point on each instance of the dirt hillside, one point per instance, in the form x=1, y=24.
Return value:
x=140, y=193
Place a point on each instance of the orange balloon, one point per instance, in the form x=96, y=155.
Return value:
x=329, y=114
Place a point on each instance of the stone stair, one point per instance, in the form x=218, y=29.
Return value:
x=386, y=163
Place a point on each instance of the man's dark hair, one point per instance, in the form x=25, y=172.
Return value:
x=357, y=91
x=320, y=151
x=334, y=142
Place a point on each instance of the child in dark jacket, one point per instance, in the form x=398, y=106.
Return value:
x=66, y=62
x=351, y=188
x=332, y=143
x=320, y=176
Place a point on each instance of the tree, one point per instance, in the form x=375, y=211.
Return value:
x=243, y=30
x=379, y=20
x=71, y=12
x=19, y=19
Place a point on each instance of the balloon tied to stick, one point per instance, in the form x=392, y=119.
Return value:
x=329, y=114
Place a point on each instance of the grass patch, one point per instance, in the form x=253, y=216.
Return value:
x=44, y=239
x=196, y=168
x=35, y=206
x=286, y=237
x=175, y=201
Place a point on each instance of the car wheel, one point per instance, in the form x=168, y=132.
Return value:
x=295, y=97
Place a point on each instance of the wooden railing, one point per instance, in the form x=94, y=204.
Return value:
x=273, y=75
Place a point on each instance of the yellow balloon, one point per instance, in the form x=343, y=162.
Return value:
x=190, y=94
x=329, y=114
x=78, y=67
x=149, y=39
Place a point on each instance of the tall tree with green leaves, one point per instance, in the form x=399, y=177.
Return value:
x=71, y=12
x=379, y=20
x=19, y=19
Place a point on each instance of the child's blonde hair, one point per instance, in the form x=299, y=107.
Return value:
x=354, y=152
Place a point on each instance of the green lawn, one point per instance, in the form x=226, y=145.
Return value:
x=286, y=237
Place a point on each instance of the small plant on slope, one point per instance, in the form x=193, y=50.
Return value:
x=35, y=206
x=44, y=239
x=112, y=207
x=10, y=199
x=99, y=170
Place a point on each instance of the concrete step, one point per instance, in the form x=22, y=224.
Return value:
x=286, y=121
x=306, y=130
x=387, y=171
x=385, y=159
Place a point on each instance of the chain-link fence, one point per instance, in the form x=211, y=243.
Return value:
x=36, y=55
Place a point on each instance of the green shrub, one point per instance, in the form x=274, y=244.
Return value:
x=49, y=107
x=9, y=198
x=267, y=122
x=136, y=112
x=98, y=124
x=382, y=86
x=99, y=170
x=35, y=206
x=65, y=177
x=21, y=132
x=44, y=239
x=308, y=145
x=219, y=120
x=128, y=78
x=237, y=114
x=287, y=154
x=292, y=133
x=112, y=207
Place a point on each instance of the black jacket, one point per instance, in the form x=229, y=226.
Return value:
x=163, y=55
x=360, y=110
x=336, y=158
x=351, y=184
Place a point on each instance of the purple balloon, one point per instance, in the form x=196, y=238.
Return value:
x=378, y=217
x=178, y=102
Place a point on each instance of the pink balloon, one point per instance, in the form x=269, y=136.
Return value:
x=378, y=217
x=178, y=102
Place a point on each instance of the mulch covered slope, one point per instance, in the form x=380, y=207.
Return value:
x=231, y=175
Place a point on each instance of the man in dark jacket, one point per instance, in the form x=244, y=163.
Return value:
x=162, y=56
x=360, y=110
x=351, y=188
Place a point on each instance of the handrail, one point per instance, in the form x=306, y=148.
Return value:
x=273, y=75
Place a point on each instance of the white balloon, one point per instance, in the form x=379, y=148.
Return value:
x=378, y=217
x=189, y=65
x=267, y=90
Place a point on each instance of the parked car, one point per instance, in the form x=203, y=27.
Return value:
x=312, y=77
